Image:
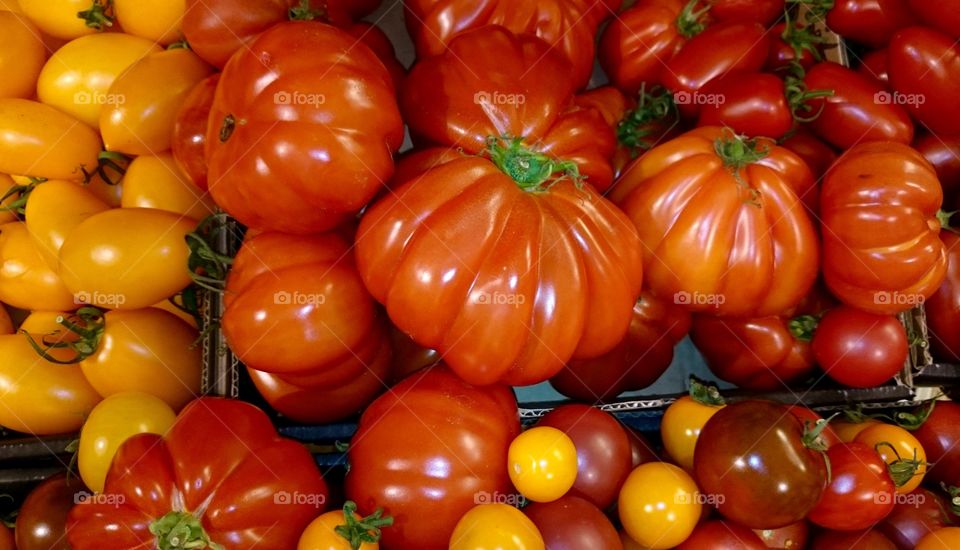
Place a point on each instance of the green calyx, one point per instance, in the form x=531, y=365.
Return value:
x=802, y=38
x=636, y=127
x=813, y=11
x=358, y=531
x=208, y=268
x=812, y=440
x=305, y=12
x=738, y=152
x=532, y=171
x=692, y=21
x=181, y=531
x=802, y=327
x=705, y=394
x=99, y=15
x=902, y=470
x=798, y=95
x=17, y=196
x=87, y=324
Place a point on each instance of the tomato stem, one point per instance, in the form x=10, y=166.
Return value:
x=181, y=44
x=737, y=152
x=802, y=38
x=813, y=11
x=954, y=493
x=227, y=127
x=22, y=193
x=798, y=95
x=358, y=531
x=813, y=441
x=208, y=267
x=913, y=420
x=99, y=15
x=528, y=168
x=181, y=531
x=653, y=107
x=902, y=470
x=706, y=394
x=691, y=21
x=802, y=327
x=305, y=12
x=88, y=323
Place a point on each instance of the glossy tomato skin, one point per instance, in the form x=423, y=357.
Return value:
x=870, y=22
x=658, y=506
x=353, y=130
x=860, y=493
x=189, y=139
x=870, y=539
x=894, y=444
x=940, y=437
x=57, y=18
x=722, y=535
x=54, y=209
x=914, y=516
x=495, y=526
x=753, y=104
x=572, y=523
x=687, y=175
x=683, y=421
x=790, y=537
x=322, y=534
x=461, y=452
x=753, y=455
x=39, y=140
x=27, y=280
x=22, y=57
x=943, y=15
x=643, y=355
x=876, y=65
x=42, y=519
x=782, y=52
x=858, y=111
x=810, y=418
x=252, y=482
x=943, y=152
x=925, y=71
x=942, y=539
x=860, y=349
x=759, y=11
x=155, y=181
x=816, y=153
x=878, y=208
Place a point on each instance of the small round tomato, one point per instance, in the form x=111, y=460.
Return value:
x=860, y=492
x=791, y=537
x=190, y=130
x=126, y=258
x=61, y=18
x=847, y=431
x=322, y=533
x=54, y=208
x=39, y=140
x=111, y=422
x=860, y=349
x=818, y=155
x=495, y=527
x=658, y=505
x=900, y=450
x=42, y=519
x=77, y=77
x=573, y=521
x=157, y=182
x=22, y=54
x=722, y=535
x=947, y=538
x=810, y=420
x=542, y=463
x=681, y=426
x=940, y=437
x=157, y=20
x=26, y=280
x=916, y=514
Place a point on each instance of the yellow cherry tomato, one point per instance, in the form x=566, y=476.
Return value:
x=111, y=422
x=848, y=431
x=127, y=258
x=158, y=20
x=39, y=140
x=658, y=505
x=153, y=89
x=945, y=538
x=321, y=534
x=157, y=182
x=54, y=208
x=40, y=397
x=899, y=448
x=22, y=54
x=26, y=280
x=542, y=463
x=495, y=527
x=77, y=78
x=61, y=18
x=680, y=428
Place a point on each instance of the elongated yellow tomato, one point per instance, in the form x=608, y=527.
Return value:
x=112, y=421
x=38, y=396
x=22, y=54
x=185, y=316
x=127, y=258
x=152, y=89
x=158, y=20
x=658, y=505
x=157, y=182
x=54, y=209
x=42, y=322
x=109, y=193
x=77, y=78
x=60, y=18
x=26, y=281
x=38, y=140
x=495, y=527
x=7, y=211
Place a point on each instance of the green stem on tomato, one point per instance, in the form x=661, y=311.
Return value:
x=653, y=107
x=87, y=323
x=181, y=531
x=802, y=327
x=798, y=95
x=901, y=470
x=208, y=268
x=22, y=193
x=705, y=394
x=99, y=15
x=813, y=441
x=531, y=170
x=802, y=38
x=358, y=531
x=305, y=12
x=692, y=21
x=813, y=11
x=738, y=152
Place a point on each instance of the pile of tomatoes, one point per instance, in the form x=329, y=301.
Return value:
x=728, y=182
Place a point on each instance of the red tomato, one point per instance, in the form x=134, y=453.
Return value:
x=247, y=488
x=340, y=125
x=879, y=208
x=860, y=493
x=818, y=155
x=462, y=434
x=190, y=131
x=939, y=436
x=636, y=362
x=925, y=72
x=943, y=15
x=869, y=22
x=42, y=519
x=722, y=535
x=860, y=349
x=408, y=356
x=753, y=104
x=641, y=450
x=852, y=540
x=943, y=152
x=943, y=308
x=828, y=437
x=377, y=40
x=709, y=182
x=794, y=43
x=914, y=515
x=791, y=537
x=573, y=522
x=758, y=11
x=875, y=64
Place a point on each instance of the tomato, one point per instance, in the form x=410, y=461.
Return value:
x=760, y=11
x=567, y=26
x=452, y=103
x=602, y=449
x=157, y=182
x=190, y=130
x=641, y=449
x=939, y=436
x=943, y=152
x=870, y=22
x=643, y=355
x=54, y=208
x=572, y=522
x=77, y=77
x=658, y=505
x=876, y=65
x=6, y=323
x=944, y=15
x=126, y=258
x=61, y=18
x=42, y=519
x=408, y=356
x=941, y=539
x=344, y=135
x=710, y=182
x=684, y=420
x=752, y=457
x=26, y=279
x=848, y=431
x=152, y=90
x=38, y=140
x=248, y=488
x=542, y=463
x=925, y=71
x=816, y=154
x=322, y=532
x=859, y=110
x=40, y=397
x=791, y=537
x=794, y=42
x=852, y=540
x=753, y=104
x=810, y=419
x=860, y=349
x=860, y=492
x=22, y=55
x=111, y=422
x=914, y=515
x=495, y=527
x=462, y=435
x=379, y=42
x=722, y=535
x=879, y=208
x=157, y=20
x=899, y=449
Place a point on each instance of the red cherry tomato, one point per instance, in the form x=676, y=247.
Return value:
x=860, y=349
x=860, y=492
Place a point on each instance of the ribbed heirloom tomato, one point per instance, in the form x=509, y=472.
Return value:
x=189, y=137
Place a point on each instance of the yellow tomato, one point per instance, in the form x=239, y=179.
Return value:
x=167, y=305
x=658, y=505
x=495, y=527
x=60, y=18
x=77, y=78
x=107, y=192
x=542, y=463
x=6, y=323
x=54, y=209
x=127, y=258
x=39, y=140
x=321, y=534
x=158, y=20
x=848, y=431
x=10, y=5
x=26, y=280
x=628, y=543
x=153, y=89
x=42, y=322
x=157, y=182
x=22, y=54
x=897, y=445
x=680, y=428
x=8, y=212
x=111, y=422
x=37, y=396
